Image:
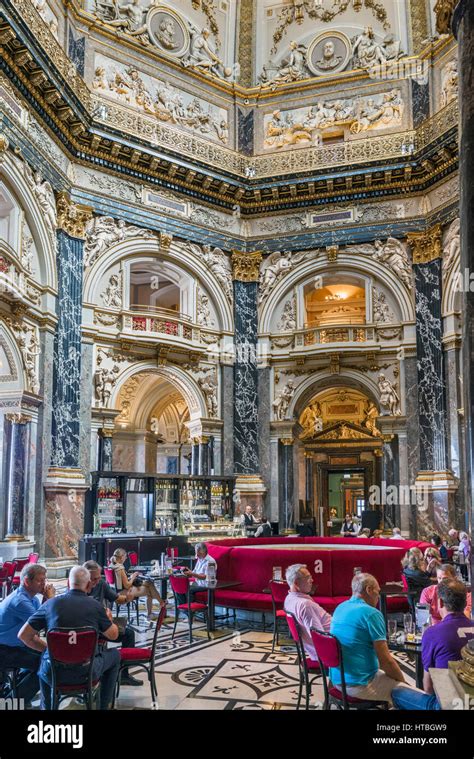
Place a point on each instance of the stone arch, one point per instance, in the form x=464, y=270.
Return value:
x=324, y=380
x=361, y=266
x=12, y=376
x=176, y=376
x=453, y=285
x=11, y=171
x=177, y=254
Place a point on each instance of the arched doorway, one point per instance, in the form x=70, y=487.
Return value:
x=340, y=450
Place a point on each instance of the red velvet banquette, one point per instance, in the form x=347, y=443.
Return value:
x=247, y=561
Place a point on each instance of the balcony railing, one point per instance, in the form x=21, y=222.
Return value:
x=340, y=334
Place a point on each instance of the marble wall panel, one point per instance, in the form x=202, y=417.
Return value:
x=420, y=102
x=64, y=522
x=67, y=354
x=77, y=51
x=246, y=459
x=431, y=384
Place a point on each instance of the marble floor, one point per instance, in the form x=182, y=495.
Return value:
x=236, y=670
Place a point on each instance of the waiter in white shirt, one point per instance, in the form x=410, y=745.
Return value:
x=248, y=520
x=200, y=572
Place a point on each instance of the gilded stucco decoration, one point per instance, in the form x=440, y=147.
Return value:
x=102, y=232
x=324, y=11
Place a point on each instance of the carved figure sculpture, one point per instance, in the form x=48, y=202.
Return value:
x=382, y=312
x=219, y=264
x=329, y=59
x=294, y=67
x=449, y=85
x=287, y=322
x=104, y=231
x=113, y=294
x=282, y=402
x=202, y=56
x=395, y=255
x=370, y=417
x=451, y=245
x=388, y=396
x=104, y=380
x=311, y=420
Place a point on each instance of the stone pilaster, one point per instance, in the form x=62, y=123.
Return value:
x=18, y=437
x=286, y=480
x=246, y=267
x=105, y=450
x=65, y=486
x=436, y=505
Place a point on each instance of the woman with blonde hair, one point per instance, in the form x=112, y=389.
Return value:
x=130, y=584
x=432, y=560
x=414, y=570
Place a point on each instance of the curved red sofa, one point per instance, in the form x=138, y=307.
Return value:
x=253, y=568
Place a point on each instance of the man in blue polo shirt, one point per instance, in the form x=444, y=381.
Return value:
x=72, y=610
x=371, y=673
x=15, y=610
x=440, y=644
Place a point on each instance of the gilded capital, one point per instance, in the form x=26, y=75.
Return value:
x=18, y=418
x=246, y=266
x=72, y=217
x=286, y=440
x=106, y=432
x=426, y=246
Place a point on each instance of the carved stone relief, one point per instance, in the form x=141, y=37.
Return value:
x=349, y=116
x=160, y=99
x=104, y=231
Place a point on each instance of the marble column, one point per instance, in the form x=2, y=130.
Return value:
x=437, y=485
x=285, y=466
x=246, y=268
x=18, y=438
x=227, y=375
x=105, y=450
x=463, y=27
x=455, y=431
x=203, y=456
x=195, y=456
x=65, y=485
x=409, y=444
x=309, y=489
x=390, y=476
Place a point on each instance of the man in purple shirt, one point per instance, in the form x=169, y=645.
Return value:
x=441, y=644
x=307, y=612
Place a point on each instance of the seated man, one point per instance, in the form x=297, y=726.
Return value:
x=264, y=530
x=199, y=572
x=102, y=592
x=71, y=610
x=15, y=610
x=370, y=671
x=307, y=612
x=440, y=644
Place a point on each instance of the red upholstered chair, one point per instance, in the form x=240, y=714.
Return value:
x=33, y=558
x=20, y=563
x=329, y=653
x=63, y=653
x=306, y=665
x=180, y=586
x=143, y=658
x=133, y=557
x=7, y=573
x=279, y=591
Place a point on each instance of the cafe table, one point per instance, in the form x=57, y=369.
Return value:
x=410, y=648
x=211, y=588
x=392, y=589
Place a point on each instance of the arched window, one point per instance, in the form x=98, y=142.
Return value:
x=9, y=219
x=335, y=301
x=152, y=288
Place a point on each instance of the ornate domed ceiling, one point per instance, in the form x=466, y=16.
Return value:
x=257, y=107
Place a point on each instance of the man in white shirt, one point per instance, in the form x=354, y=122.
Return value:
x=200, y=572
x=307, y=612
x=396, y=534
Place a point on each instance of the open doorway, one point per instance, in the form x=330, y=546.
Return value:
x=345, y=495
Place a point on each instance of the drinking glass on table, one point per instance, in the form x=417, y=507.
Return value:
x=409, y=627
x=392, y=629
